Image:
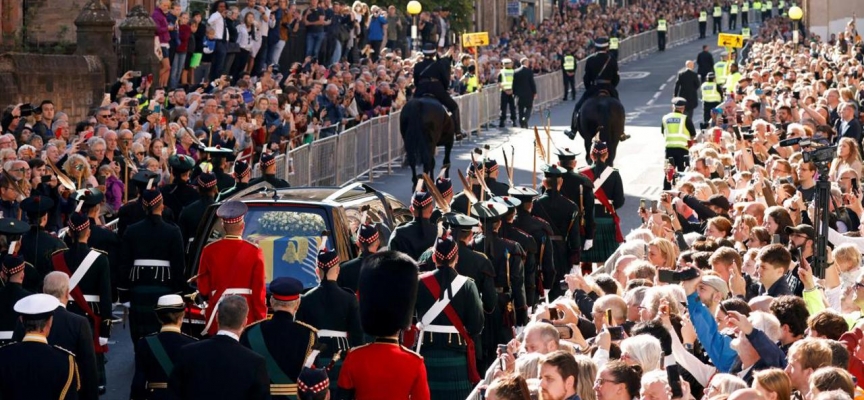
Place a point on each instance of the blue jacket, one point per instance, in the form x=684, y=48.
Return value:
x=717, y=345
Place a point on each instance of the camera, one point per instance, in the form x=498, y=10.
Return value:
x=820, y=155
x=670, y=276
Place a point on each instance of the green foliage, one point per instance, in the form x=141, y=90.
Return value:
x=461, y=11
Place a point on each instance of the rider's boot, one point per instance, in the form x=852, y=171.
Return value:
x=457, y=127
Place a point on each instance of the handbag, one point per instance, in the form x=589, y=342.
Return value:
x=157, y=48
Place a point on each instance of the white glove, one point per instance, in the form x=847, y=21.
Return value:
x=588, y=244
x=103, y=341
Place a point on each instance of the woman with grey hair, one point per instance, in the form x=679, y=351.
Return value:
x=642, y=350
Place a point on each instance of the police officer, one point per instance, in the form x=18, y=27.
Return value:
x=745, y=15
x=720, y=74
x=490, y=166
x=33, y=369
x=733, y=16
x=745, y=31
x=768, y=7
x=150, y=268
x=613, y=46
x=541, y=232
x=703, y=22
x=332, y=310
x=242, y=173
x=733, y=78
x=232, y=265
x=446, y=339
x=718, y=17
x=37, y=245
x=10, y=293
x=158, y=352
x=193, y=214
x=90, y=285
x=569, y=74
x=765, y=13
x=134, y=211
x=661, y=33
x=711, y=97
x=609, y=195
x=472, y=82
x=413, y=238
x=105, y=240
x=433, y=77
x=368, y=241
x=757, y=8
x=563, y=215
x=678, y=130
x=601, y=73
x=285, y=341
x=268, y=172
x=507, y=259
x=505, y=79
x=180, y=193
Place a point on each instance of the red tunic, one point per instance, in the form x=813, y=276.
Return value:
x=233, y=263
x=384, y=371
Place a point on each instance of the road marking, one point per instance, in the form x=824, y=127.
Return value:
x=671, y=78
x=650, y=102
x=633, y=75
x=656, y=95
x=663, y=86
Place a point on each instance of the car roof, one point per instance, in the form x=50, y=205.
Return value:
x=321, y=194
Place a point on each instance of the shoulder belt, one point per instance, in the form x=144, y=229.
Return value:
x=601, y=196
x=59, y=263
x=256, y=341
x=88, y=262
x=160, y=354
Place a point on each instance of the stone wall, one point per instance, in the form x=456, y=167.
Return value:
x=74, y=83
x=830, y=16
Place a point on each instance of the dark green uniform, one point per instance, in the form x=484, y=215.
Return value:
x=284, y=340
x=605, y=242
x=445, y=354
x=36, y=370
x=9, y=295
x=349, y=273
x=510, y=232
x=109, y=243
x=179, y=194
x=133, y=212
x=37, y=245
x=191, y=216
x=544, y=272
x=414, y=238
x=277, y=183
x=335, y=312
x=497, y=188
x=460, y=200
x=563, y=215
x=151, y=377
x=238, y=187
x=580, y=190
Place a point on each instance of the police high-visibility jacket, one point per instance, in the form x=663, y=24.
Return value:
x=733, y=9
x=718, y=12
x=473, y=84
x=613, y=43
x=703, y=16
x=720, y=72
x=757, y=5
x=769, y=4
x=710, y=93
x=661, y=25
x=675, y=130
x=745, y=33
x=569, y=63
x=732, y=81
x=507, y=79
x=745, y=7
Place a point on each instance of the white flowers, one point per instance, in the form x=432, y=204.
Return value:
x=291, y=223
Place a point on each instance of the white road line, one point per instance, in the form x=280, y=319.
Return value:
x=650, y=102
x=656, y=95
x=671, y=78
x=663, y=86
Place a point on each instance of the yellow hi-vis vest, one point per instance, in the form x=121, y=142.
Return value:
x=745, y=7
x=781, y=4
x=507, y=79
x=613, y=43
x=720, y=72
x=569, y=63
x=675, y=130
x=769, y=4
x=745, y=33
x=703, y=16
x=718, y=12
x=733, y=9
x=661, y=25
x=473, y=84
x=732, y=81
x=757, y=5
x=710, y=93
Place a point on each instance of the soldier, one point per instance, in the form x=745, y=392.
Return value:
x=580, y=190
x=678, y=130
x=242, y=173
x=541, y=232
x=150, y=268
x=217, y=161
x=181, y=192
x=89, y=285
x=268, y=172
x=37, y=245
x=313, y=384
x=609, y=195
x=368, y=241
x=283, y=340
x=334, y=311
x=490, y=166
x=232, y=265
x=505, y=78
x=33, y=369
x=447, y=334
x=388, y=282
x=134, y=211
x=601, y=73
x=562, y=214
x=160, y=351
x=433, y=77
x=510, y=232
x=106, y=240
x=418, y=235
x=193, y=214
x=13, y=271
x=506, y=257
x=445, y=187
x=460, y=201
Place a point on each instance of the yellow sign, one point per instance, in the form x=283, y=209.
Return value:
x=476, y=39
x=729, y=40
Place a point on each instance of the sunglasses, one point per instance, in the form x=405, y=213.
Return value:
x=140, y=153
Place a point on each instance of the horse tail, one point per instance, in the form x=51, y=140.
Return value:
x=413, y=134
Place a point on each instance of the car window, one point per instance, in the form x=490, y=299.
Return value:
x=288, y=236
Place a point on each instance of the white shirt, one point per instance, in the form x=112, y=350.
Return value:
x=218, y=24
x=229, y=334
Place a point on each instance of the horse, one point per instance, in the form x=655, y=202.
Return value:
x=425, y=124
x=601, y=114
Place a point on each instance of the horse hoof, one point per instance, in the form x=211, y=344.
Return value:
x=624, y=137
x=570, y=134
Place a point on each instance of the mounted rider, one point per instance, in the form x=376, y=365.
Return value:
x=432, y=77
x=601, y=73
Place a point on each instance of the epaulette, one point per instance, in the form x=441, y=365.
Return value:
x=412, y=352
x=522, y=232
x=426, y=274
x=480, y=254
x=256, y=322
x=314, y=329
x=8, y=344
x=99, y=251
x=358, y=347
x=66, y=351
x=58, y=251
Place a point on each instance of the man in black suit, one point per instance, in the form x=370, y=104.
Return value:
x=705, y=62
x=848, y=125
x=220, y=367
x=71, y=332
x=525, y=90
x=687, y=86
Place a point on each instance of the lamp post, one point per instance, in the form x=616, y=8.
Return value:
x=796, y=13
x=414, y=8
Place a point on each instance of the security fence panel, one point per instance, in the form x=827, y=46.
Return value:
x=323, y=161
x=346, y=162
x=298, y=166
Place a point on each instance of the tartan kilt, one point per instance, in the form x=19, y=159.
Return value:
x=604, y=241
x=446, y=372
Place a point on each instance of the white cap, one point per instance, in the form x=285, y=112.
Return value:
x=506, y=61
x=37, y=306
x=170, y=302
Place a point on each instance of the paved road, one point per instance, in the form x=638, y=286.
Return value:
x=646, y=90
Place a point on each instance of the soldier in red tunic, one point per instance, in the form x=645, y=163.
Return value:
x=385, y=369
x=232, y=265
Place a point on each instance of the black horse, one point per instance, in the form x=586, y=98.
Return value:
x=602, y=114
x=425, y=125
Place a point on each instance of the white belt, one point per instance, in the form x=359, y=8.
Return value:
x=5, y=335
x=441, y=329
x=226, y=292
x=90, y=298
x=326, y=333
x=151, y=263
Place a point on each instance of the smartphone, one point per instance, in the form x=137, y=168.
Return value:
x=667, y=276
x=642, y=204
x=136, y=74
x=554, y=314
x=616, y=333
x=502, y=348
x=563, y=286
x=564, y=331
x=655, y=206
x=608, y=317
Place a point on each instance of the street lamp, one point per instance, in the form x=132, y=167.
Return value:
x=796, y=13
x=414, y=8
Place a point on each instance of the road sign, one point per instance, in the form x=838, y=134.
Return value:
x=476, y=39
x=730, y=40
x=514, y=8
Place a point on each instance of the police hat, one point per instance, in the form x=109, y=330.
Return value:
x=78, y=222
x=327, y=259
x=36, y=206
x=388, y=292
x=12, y=226
x=312, y=381
x=170, y=303
x=207, y=180
x=601, y=42
x=367, y=234
x=444, y=186
x=181, y=163
x=286, y=289
x=445, y=249
x=143, y=178
x=552, y=171
x=457, y=221
x=267, y=159
x=679, y=102
x=488, y=211
x=429, y=49
x=12, y=264
x=710, y=76
x=421, y=200
x=506, y=61
x=510, y=202
x=151, y=198
x=241, y=169
x=523, y=193
x=37, y=306
x=566, y=155
x=232, y=212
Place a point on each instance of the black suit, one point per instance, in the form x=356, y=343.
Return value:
x=853, y=130
x=704, y=64
x=219, y=368
x=687, y=86
x=524, y=88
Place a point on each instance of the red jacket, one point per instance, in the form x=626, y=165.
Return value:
x=384, y=371
x=856, y=366
x=233, y=263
